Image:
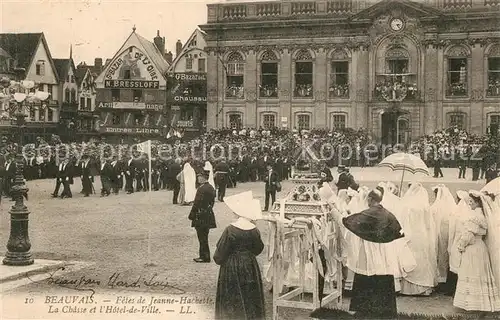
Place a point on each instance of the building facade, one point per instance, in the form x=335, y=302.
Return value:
x=131, y=91
x=67, y=97
x=27, y=57
x=187, y=86
x=399, y=68
x=87, y=117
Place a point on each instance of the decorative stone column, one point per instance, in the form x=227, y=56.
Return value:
x=476, y=69
x=285, y=87
x=251, y=116
x=320, y=89
x=430, y=94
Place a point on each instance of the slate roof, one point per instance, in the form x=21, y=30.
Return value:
x=80, y=75
x=61, y=67
x=22, y=47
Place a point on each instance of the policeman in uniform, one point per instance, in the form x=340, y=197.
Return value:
x=202, y=216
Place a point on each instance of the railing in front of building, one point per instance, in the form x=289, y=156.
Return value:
x=491, y=2
x=458, y=89
x=235, y=92
x=457, y=4
x=268, y=91
x=396, y=87
x=272, y=9
x=303, y=91
x=493, y=88
x=338, y=91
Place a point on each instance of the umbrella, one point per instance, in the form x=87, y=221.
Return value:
x=492, y=187
x=404, y=162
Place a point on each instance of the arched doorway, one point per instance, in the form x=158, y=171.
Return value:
x=394, y=127
x=403, y=130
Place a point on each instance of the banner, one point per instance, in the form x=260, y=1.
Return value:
x=129, y=130
x=187, y=88
x=130, y=105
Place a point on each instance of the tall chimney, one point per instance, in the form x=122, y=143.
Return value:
x=159, y=42
x=169, y=57
x=178, y=48
x=98, y=62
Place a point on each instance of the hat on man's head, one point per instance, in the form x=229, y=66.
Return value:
x=244, y=205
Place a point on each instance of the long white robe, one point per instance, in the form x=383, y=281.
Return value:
x=441, y=210
x=419, y=228
x=189, y=183
x=210, y=169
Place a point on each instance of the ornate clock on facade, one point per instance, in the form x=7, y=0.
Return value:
x=397, y=24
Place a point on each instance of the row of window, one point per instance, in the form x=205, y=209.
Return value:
x=69, y=95
x=133, y=119
x=396, y=83
x=131, y=95
x=190, y=61
x=85, y=104
x=303, y=121
x=41, y=115
x=339, y=121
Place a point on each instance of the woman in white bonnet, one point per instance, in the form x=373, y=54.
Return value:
x=240, y=292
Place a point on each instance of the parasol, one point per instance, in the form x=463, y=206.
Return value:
x=492, y=187
x=404, y=162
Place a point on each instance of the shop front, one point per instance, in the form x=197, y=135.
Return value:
x=187, y=100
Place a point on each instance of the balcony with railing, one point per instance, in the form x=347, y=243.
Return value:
x=235, y=92
x=227, y=12
x=396, y=87
x=338, y=91
x=457, y=4
x=492, y=3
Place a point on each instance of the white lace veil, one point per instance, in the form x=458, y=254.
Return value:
x=492, y=213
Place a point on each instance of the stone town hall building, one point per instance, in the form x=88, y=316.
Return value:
x=399, y=68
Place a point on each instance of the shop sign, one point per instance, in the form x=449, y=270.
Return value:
x=130, y=105
x=185, y=123
x=131, y=84
x=129, y=130
x=132, y=64
x=188, y=88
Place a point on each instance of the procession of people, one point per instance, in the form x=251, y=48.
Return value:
x=394, y=241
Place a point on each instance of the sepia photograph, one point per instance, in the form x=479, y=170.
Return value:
x=250, y=159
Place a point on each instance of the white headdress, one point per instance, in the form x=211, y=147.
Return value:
x=244, y=205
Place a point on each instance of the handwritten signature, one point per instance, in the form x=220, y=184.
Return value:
x=115, y=281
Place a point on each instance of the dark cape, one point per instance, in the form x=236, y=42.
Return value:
x=374, y=297
x=240, y=293
x=374, y=224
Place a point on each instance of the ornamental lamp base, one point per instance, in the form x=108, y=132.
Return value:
x=18, y=259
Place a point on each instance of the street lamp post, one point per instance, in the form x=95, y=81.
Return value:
x=19, y=245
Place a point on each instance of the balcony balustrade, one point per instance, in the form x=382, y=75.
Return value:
x=276, y=10
x=226, y=12
x=491, y=2
x=454, y=4
x=396, y=87
x=303, y=91
x=338, y=91
x=456, y=90
x=493, y=88
x=235, y=92
x=268, y=91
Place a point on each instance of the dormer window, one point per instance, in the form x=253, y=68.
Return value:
x=40, y=68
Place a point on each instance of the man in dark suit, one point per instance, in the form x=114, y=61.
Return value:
x=202, y=215
x=173, y=171
x=31, y=167
x=491, y=173
x=221, y=177
x=106, y=173
x=86, y=176
x=327, y=173
x=345, y=180
x=271, y=185
x=116, y=175
x=66, y=178
x=129, y=171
